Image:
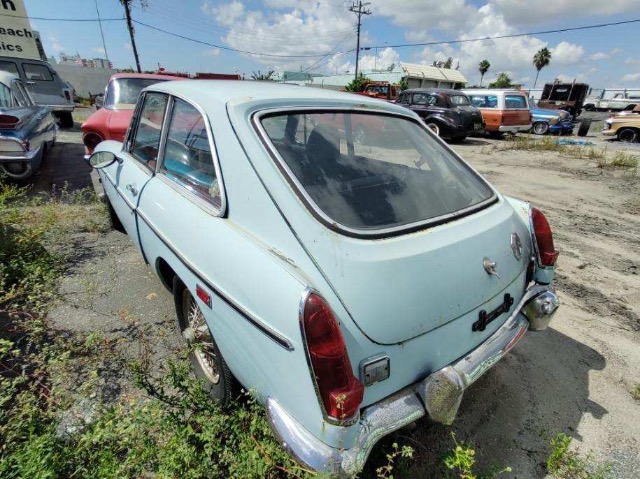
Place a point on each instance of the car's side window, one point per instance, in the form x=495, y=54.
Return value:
x=36, y=72
x=6, y=100
x=145, y=143
x=404, y=98
x=187, y=158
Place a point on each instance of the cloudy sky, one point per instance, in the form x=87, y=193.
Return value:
x=246, y=36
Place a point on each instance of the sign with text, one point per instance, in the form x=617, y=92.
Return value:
x=16, y=37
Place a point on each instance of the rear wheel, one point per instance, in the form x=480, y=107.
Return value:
x=590, y=107
x=585, y=124
x=628, y=135
x=206, y=359
x=540, y=128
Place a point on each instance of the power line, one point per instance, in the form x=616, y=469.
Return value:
x=230, y=49
x=513, y=35
x=46, y=19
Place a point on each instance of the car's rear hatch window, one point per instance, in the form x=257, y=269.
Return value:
x=372, y=174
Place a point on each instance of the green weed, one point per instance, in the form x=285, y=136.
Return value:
x=564, y=463
x=460, y=461
x=635, y=392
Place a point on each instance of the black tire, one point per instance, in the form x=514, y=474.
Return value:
x=585, y=124
x=495, y=134
x=628, y=135
x=540, y=128
x=66, y=119
x=114, y=221
x=205, y=356
x=457, y=139
x=629, y=108
x=590, y=107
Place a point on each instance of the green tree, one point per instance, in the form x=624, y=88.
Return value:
x=357, y=84
x=403, y=84
x=540, y=60
x=502, y=81
x=448, y=63
x=483, y=67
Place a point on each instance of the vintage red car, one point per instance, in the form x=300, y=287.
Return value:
x=111, y=121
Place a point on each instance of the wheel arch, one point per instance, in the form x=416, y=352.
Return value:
x=165, y=272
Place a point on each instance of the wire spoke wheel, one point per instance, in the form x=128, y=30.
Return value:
x=199, y=337
x=434, y=128
x=540, y=128
x=627, y=135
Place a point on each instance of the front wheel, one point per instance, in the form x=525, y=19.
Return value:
x=206, y=359
x=628, y=135
x=540, y=128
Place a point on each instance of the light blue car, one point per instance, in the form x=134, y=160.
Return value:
x=551, y=121
x=355, y=285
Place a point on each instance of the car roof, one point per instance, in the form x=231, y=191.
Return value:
x=152, y=76
x=446, y=91
x=492, y=91
x=268, y=94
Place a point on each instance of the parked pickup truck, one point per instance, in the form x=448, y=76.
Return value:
x=620, y=101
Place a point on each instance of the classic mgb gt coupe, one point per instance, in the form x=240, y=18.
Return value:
x=355, y=285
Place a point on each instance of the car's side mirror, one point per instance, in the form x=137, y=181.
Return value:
x=102, y=159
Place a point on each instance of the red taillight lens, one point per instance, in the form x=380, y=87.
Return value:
x=67, y=96
x=544, y=238
x=341, y=392
x=9, y=121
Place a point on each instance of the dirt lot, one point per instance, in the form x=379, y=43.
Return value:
x=575, y=378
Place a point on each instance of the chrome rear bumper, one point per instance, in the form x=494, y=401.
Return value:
x=438, y=395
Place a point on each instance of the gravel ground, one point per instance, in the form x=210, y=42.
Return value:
x=575, y=378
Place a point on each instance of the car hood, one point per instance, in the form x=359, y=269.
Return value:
x=402, y=287
x=543, y=113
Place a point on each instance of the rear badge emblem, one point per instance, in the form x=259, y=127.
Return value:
x=516, y=246
x=490, y=267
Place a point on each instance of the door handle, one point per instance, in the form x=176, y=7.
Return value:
x=131, y=189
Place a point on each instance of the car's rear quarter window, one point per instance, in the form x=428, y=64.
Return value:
x=373, y=172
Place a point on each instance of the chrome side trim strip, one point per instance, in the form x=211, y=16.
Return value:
x=267, y=330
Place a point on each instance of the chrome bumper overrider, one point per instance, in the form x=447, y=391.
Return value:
x=438, y=395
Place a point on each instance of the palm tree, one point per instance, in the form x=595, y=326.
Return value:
x=483, y=67
x=541, y=60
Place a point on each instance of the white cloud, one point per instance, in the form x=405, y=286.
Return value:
x=566, y=53
x=523, y=13
x=630, y=77
x=98, y=50
x=425, y=14
x=212, y=52
x=605, y=55
x=55, y=45
x=384, y=60
x=632, y=61
x=288, y=28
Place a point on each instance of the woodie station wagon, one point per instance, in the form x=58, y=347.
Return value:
x=355, y=285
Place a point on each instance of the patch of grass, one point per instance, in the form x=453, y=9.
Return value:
x=620, y=160
x=563, y=463
x=546, y=143
x=635, y=392
x=459, y=463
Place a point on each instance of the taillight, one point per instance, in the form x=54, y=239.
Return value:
x=9, y=121
x=341, y=392
x=67, y=96
x=544, y=238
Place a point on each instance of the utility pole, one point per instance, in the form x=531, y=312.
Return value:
x=104, y=45
x=127, y=12
x=357, y=9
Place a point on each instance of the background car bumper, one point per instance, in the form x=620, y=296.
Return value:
x=610, y=132
x=57, y=108
x=438, y=395
x=18, y=156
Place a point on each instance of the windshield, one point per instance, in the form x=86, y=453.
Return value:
x=123, y=93
x=459, y=100
x=372, y=172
